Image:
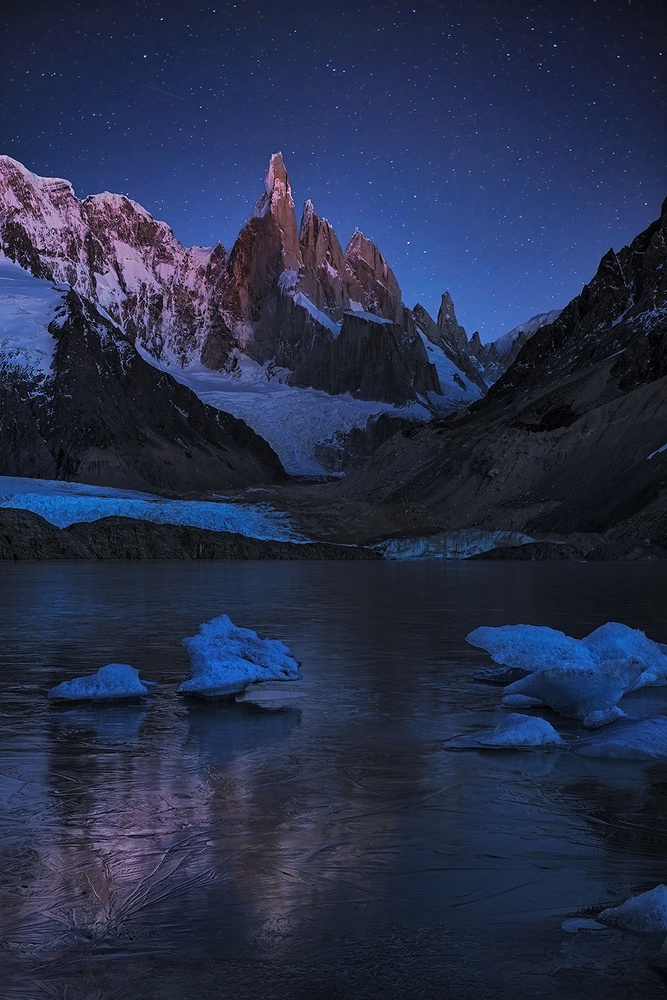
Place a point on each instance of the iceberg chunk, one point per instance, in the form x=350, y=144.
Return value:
x=580, y=678
x=646, y=912
x=614, y=641
x=225, y=659
x=521, y=731
x=529, y=647
x=577, y=691
x=515, y=732
x=113, y=682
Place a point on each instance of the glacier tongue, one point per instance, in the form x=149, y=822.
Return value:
x=307, y=428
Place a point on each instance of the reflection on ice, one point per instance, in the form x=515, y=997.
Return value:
x=223, y=731
x=110, y=724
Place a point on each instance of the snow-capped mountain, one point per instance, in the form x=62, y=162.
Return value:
x=78, y=402
x=509, y=345
x=285, y=304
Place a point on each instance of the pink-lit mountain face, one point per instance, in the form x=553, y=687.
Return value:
x=285, y=294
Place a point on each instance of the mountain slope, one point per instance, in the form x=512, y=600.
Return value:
x=571, y=438
x=77, y=402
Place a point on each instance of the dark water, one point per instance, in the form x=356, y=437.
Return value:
x=330, y=846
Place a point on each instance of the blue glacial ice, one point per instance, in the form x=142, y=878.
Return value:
x=529, y=647
x=579, y=678
x=225, y=659
x=64, y=503
x=458, y=544
x=614, y=640
x=646, y=913
x=113, y=682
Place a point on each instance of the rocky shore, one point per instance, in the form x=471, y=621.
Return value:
x=25, y=535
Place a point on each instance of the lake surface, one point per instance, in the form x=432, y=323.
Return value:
x=329, y=846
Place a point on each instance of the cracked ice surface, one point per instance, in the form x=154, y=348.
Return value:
x=181, y=847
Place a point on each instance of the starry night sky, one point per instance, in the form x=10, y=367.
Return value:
x=494, y=149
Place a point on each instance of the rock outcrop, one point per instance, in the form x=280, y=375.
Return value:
x=481, y=363
x=24, y=535
x=101, y=414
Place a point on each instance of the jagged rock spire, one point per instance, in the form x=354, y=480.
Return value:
x=451, y=330
x=278, y=202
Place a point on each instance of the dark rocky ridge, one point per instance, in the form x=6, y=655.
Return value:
x=25, y=535
x=370, y=359
x=105, y=416
x=569, y=439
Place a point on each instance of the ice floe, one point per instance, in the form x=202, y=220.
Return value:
x=577, y=925
x=225, y=659
x=579, y=678
x=646, y=912
x=113, y=682
x=529, y=647
x=514, y=732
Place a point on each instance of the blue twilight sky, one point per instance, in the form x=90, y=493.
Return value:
x=494, y=149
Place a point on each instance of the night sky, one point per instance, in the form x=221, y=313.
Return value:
x=494, y=149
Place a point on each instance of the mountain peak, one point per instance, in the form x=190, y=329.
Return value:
x=450, y=328
x=277, y=205
x=276, y=174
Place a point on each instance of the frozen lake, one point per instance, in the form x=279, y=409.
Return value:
x=329, y=847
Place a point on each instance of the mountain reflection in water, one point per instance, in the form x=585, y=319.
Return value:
x=328, y=846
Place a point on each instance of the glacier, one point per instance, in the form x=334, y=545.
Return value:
x=299, y=424
x=457, y=544
x=63, y=503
